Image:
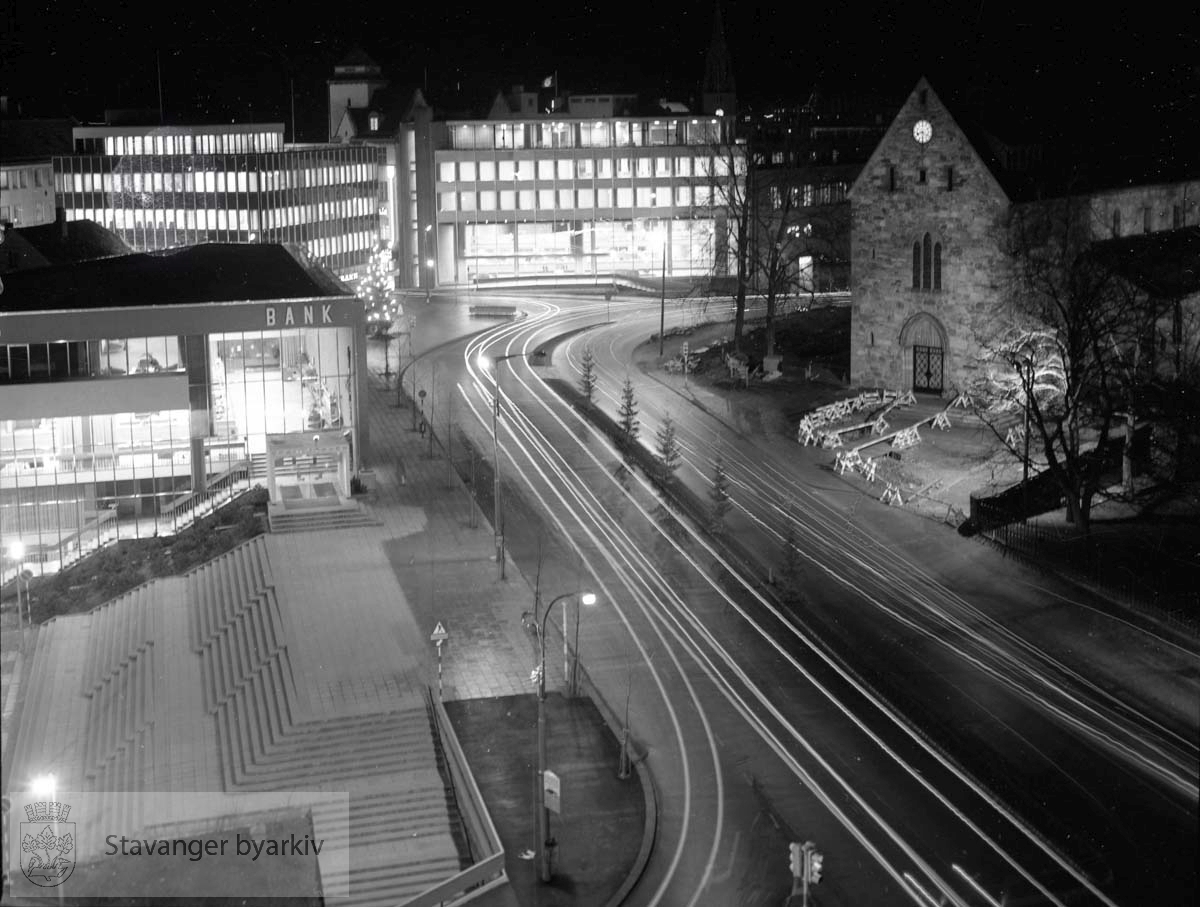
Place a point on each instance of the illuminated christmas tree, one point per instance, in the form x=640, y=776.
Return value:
x=375, y=291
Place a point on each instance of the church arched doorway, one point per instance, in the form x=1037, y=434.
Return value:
x=923, y=344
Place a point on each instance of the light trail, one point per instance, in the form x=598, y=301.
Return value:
x=1033, y=881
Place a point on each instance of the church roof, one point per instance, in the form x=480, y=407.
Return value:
x=1165, y=264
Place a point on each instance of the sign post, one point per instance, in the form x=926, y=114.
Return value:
x=438, y=637
x=685, y=359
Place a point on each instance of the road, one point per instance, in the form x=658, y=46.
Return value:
x=932, y=750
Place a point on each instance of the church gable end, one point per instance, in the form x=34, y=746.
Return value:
x=925, y=212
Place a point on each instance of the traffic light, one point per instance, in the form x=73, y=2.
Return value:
x=815, y=861
x=796, y=861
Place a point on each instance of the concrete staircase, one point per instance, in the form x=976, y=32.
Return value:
x=318, y=519
x=400, y=838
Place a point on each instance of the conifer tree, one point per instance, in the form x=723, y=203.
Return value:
x=668, y=447
x=719, y=495
x=375, y=292
x=587, y=380
x=628, y=412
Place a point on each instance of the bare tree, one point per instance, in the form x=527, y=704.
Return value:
x=779, y=212
x=1066, y=347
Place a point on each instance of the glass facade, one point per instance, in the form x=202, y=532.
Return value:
x=102, y=439
x=582, y=197
x=174, y=187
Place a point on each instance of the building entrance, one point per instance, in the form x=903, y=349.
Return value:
x=927, y=369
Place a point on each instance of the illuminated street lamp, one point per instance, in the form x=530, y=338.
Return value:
x=427, y=262
x=486, y=364
x=544, y=840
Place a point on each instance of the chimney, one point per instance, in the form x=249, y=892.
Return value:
x=60, y=218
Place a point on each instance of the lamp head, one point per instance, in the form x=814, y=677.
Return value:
x=44, y=786
x=16, y=550
x=587, y=598
x=484, y=362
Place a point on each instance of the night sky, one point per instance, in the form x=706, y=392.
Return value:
x=1130, y=69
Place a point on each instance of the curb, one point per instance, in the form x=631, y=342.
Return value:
x=645, y=776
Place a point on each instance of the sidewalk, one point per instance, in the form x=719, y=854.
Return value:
x=449, y=575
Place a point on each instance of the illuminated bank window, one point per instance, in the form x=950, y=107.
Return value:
x=507, y=170
x=524, y=170
x=702, y=195
x=625, y=197
x=604, y=198
x=466, y=201
x=210, y=181
x=545, y=170
x=566, y=198
x=624, y=167
x=662, y=196
x=487, y=171
x=604, y=168
x=586, y=198
x=508, y=199
x=703, y=166
x=657, y=133
x=683, y=196
x=487, y=200
x=525, y=200
x=645, y=196
x=643, y=166
x=565, y=169
x=662, y=166
x=546, y=199
x=466, y=172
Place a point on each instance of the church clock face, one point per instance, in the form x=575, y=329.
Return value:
x=922, y=131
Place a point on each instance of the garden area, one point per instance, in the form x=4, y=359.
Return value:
x=117, y=568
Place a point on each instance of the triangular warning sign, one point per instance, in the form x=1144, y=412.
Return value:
x=439, y=633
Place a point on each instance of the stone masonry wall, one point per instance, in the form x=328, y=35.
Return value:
x=965, y=219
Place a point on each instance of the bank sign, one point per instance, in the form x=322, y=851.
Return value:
x=291, y=315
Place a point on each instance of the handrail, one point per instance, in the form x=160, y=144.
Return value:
x=484, y=841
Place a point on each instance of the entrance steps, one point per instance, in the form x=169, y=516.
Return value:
x=316, y=519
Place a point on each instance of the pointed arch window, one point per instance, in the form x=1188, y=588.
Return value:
x=927, y=264
x=926, y=261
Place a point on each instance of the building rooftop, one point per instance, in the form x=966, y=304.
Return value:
x=34, y=139
x=62, y=242
x=215, y=272
x=1165, y=264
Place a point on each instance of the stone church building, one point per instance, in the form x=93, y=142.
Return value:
x=928, y=225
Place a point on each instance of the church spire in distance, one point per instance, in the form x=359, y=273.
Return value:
x=719, y=89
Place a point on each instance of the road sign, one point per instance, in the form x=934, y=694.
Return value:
x=439, y=634
x=552, y=787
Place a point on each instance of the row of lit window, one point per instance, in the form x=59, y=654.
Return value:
x=587, y=168
x=224, y=219
x=344, y=243
x=556, y=199
x=221, y=143
x=808, y=195
x=575, y=134
x=216, y=181
x=14, y=178
x=686, y=238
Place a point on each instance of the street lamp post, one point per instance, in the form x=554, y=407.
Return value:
x=544, y=840
x=497, y=513
x=426, y=261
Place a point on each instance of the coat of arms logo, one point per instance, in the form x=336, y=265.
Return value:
x=47, y=843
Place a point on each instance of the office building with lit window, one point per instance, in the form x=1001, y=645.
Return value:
x=573, y=196
x=532, y=187
x=137, y=388
x=160, y=187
